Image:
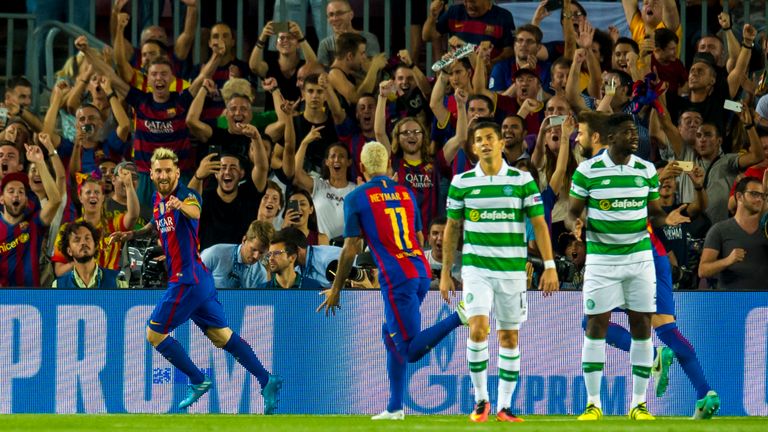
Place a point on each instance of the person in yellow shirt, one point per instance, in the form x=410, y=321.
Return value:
x=654, y=14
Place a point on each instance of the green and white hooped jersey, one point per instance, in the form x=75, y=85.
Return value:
x=617, y=208
x=494, y=209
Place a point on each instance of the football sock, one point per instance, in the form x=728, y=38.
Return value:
x=172, y=350
x=641, y=358
x=427, y=339
x=396, y=368
x=617, y=336
x=509, y=372
x=592, y=362
x=243, y=353
x=477, y=356
x=686, y=355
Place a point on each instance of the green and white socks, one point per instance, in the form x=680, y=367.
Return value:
x=509, y=373
x=641, y=358
x=592, y=362
x=477, y=356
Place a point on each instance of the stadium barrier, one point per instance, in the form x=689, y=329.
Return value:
x=85, y=352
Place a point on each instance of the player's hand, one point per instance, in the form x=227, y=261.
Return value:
x=173, y=203
x=446, y=286
x=675, y=217
x=549, y=283
x=736, y=256
x=331, y=301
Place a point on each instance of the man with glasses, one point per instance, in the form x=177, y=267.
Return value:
x=282, y=260
x=527, y=42
x=340, y=16
x=736, y=249
x=238, y=265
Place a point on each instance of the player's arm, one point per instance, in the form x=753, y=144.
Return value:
x=352, y=246
x=450, y=243
x=190, y=208
x=549, y=281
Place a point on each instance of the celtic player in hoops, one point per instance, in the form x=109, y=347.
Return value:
x=493, y=200
x=620, y=193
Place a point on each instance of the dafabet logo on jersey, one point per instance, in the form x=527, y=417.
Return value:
x=621, y=204
x=491, y=215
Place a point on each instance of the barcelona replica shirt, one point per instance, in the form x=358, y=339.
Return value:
x=178, y=235
x=386, y=214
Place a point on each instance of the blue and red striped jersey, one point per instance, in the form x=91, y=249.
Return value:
x=350, y=134
x=424, y=180
x=178, y=235
x=161, y=125
x=386, y=215
x=656, y=245
x=20, y=247
x=496, y=26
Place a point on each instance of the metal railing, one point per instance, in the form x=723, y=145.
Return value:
x=10, y=35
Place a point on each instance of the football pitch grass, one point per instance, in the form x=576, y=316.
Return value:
x=337, y=423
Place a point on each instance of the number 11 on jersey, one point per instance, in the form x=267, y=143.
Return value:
x=402, y=237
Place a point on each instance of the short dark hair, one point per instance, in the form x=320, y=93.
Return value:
x=17, y=81
x=628, y=41
x=605, y=42
x=516, y=117
x=714, y=126
x=625, y=78
x=484, y=124
x=663, y=37
x=596, y=121
x=482, y=97
x=438, y=220
x=312, y=79
x=291, y=235
x=163, y=47
x=741, y=186
x=532, y=29
x=561, y=61
x=274, y=186
x=348, y=43
x=70, y=229
x=616, y=119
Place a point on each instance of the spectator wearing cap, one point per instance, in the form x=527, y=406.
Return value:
x=240, y=265
x=21, y=232
x=230, y=206
x=117, y=203
x=527, y=43
x=526, y=101
x=736, y=249
x=340, y=16
x=474, y=21
x=78, y=245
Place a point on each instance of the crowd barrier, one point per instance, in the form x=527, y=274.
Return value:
x=85, y=352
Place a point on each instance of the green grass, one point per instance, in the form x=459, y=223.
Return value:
x=221, y=423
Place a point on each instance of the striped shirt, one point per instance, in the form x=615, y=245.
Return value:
x=178, y=236
x=109, y=252
x=494, y=209
x=617, y=208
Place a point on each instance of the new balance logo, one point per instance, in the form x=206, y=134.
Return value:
x=605, y=182
x=475, y=192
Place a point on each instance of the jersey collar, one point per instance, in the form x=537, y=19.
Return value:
x=480, y=173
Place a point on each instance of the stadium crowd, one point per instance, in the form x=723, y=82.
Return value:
x=77, y=192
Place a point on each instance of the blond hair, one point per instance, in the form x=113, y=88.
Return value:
x=163, y=153
x=237, y=87
x=374, y=157
x=264, y=231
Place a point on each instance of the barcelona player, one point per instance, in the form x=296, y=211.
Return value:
x=386, y=215
x=191, y=293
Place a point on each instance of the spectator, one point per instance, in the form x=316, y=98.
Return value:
x=340, y=16
x=623, y=57
x=283, y=257
x=91, y=196
x=354, y=133
x=10, y=159
x=300, y=213
x=21, y=232
x=350, y=61
x=412, y=92
x=655, y=14
x=513, y=133
x=296, y=11
x=271, y=205
x=239, y=265
x=117, y=203
x=735, y=250
x=527, y=44
x=434, y=254
x=313, y=260
x=328, y=189
x=17, y=99
x=284, y=64
x=474, y=21
x=78, y=245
